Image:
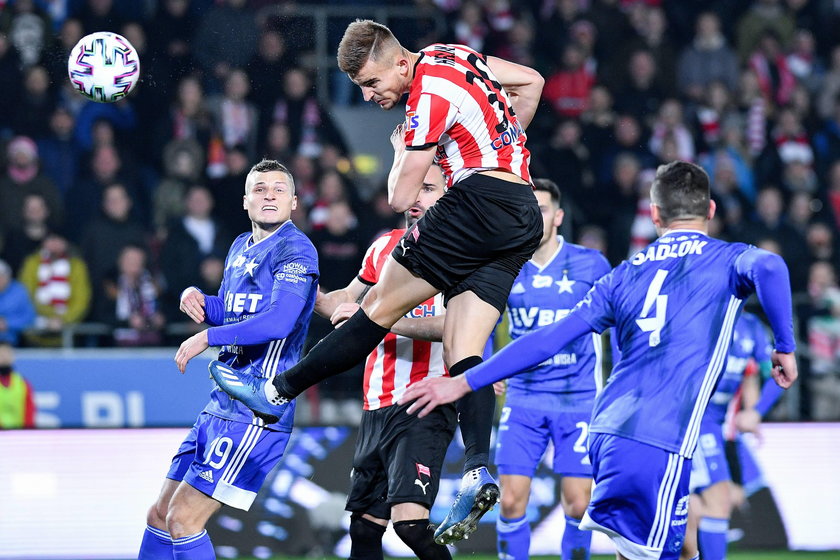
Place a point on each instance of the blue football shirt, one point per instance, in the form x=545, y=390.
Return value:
x=256, y=273
x=542, y=295
x=674, y=307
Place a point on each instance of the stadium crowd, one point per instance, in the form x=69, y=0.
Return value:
x=110, y=210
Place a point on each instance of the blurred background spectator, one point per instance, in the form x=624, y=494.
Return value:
x=17, y=399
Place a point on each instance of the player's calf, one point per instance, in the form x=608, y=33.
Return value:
x=418, y=535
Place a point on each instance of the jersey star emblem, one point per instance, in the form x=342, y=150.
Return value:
x=249, y=268
x=565, y=284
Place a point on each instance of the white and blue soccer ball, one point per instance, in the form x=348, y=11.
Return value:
x=103, y=67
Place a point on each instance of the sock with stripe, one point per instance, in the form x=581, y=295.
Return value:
x=513, y=538
x=711, y=536
x=475, y=417
x=194, y=547
x=575, y=543
x=156, y=545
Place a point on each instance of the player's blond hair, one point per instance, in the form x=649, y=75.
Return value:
x=364, y=40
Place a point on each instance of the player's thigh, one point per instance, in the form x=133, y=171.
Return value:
x=228, y=460
x=368, y=479
x=521, y=440
x=570, y=436
x=640, y=497
x=414, y=459
x=397, y=292
x=468, y=324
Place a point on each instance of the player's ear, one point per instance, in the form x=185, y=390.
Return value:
x=655, y=216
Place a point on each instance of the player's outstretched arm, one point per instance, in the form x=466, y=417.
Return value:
x=520, y=355
x=523, y=85
x=767, y=273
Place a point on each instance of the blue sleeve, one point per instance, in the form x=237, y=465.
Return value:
x=767, y=274
x=273, y=324
x=596, y=306
x=214, y=310
x=527, y=351
x=770, y=393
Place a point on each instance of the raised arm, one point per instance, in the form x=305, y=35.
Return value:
x=523, y=85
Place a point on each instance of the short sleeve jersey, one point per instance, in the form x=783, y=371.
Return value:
x=674, y=306
x=397, y=361
x=542, y=295
x=456, y=103
x=255, y=275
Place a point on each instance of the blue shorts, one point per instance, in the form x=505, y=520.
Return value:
x=640, y=499
x=227, y=460
x=708, y=464
x=524, y=434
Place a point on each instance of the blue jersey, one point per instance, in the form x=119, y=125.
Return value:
x=687, y=289
x=542, y=295
x=749, y=341
x=255, y=275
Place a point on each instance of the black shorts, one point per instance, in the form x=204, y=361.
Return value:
x=475, y=238
x=398, y=458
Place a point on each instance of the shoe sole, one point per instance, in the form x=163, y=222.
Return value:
x=486, y=499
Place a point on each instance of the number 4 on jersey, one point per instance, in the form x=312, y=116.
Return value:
x=654, y=324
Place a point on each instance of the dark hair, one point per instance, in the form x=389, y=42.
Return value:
x=363, y=39
x=267, y=165
x=680, y=190
x=549, y=186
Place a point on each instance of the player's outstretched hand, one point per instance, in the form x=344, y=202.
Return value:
x=429, y=393
x=190, y=348
x=343, y=312
x=192, y=303
x=784, y=369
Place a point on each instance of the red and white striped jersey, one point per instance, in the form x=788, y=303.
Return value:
x=456, y=103
x=398, y=361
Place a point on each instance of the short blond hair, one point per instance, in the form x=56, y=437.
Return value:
x=363, y=40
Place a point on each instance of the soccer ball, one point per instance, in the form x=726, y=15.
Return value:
x=103, y=67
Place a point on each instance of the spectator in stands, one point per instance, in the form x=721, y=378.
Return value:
x=707, y=60
x=59, y=285
x=225, y=39
x=22, y=178
x=16, y=311
x=58, y=50
x=60, y=153
x=266, y=69
x=170, y=35
x=567, y=90
x=641, y=94
x=32, y=113
x=115, y=225
x=17, y=399
x=762, y=16
x=770, y=66
x=310, y=125
x=10, y=79
x=669, y=123
x=192, y=238
x=184, y=165
x=133, y=300
x=22, y=241
x=85, y=198
x=236, y=118
x=827, y=96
